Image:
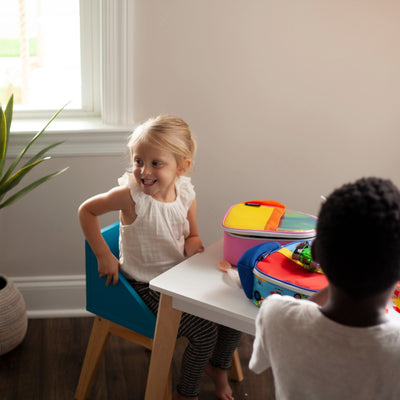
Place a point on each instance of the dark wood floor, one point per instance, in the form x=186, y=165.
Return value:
x=47, y=364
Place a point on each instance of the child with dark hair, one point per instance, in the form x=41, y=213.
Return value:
x=341, y=344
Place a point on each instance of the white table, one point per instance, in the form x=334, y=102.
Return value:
x=198, y=287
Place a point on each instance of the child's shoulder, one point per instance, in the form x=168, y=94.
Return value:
x=185, y=189
x=128, y=180
x=136, y=194
x=120, y=192
x=184, y=182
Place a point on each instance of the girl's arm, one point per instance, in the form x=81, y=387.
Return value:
x=193, y=242
x=116, y=199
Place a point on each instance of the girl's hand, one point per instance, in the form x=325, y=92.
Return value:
x=108, y=266
x=193, y=245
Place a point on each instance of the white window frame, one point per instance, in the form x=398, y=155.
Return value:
x=106, y=118
x=90, y=56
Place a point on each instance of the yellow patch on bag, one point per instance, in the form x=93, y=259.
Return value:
x=253, y=216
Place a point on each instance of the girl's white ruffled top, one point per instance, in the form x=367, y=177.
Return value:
x=155, y=241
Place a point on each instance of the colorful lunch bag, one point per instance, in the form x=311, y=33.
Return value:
x=255, y=222
x=270, y=268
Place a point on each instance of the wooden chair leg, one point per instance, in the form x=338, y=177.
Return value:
x=236, y=373
x=168, y=390
x=97, y=342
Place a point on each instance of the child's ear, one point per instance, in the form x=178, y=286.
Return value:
x=184, y=166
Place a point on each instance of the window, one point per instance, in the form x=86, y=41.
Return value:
x=101, y=36
x=40, y=60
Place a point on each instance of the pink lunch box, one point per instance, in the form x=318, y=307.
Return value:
x=243, y=228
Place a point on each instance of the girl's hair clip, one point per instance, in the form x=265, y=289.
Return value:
x=323, y=197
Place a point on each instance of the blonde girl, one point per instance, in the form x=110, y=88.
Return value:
x=158, y=229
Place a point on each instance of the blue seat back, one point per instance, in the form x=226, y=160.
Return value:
x=117, y=303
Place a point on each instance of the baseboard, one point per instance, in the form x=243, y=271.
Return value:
x=53, y=296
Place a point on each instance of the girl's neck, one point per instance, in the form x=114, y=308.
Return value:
x=364, y=312
x=170, y=197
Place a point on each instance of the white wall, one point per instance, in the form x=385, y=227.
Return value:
x=287, y=99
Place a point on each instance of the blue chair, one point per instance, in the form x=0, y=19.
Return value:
x=118, y=310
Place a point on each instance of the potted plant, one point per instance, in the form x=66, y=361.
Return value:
x=13, y=319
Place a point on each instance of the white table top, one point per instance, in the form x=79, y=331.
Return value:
x=198, y=287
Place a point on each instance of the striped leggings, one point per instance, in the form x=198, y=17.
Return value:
x=208, y=342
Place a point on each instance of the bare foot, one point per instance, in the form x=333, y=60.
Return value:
x=223, y=390
x=177, y=396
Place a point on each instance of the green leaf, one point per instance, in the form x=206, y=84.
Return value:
x=41, y=152
x=3, y=140
x=45, y=127
x=16, y=178
x=11, y=179
x=5, y=131
x=9, y=114
x=30, y=187
x=22, y=153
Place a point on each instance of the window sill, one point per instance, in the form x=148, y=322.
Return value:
x=81, y=136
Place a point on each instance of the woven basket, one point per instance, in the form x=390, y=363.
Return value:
x=13, y=319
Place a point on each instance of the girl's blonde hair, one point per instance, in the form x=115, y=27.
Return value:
x=168, y=133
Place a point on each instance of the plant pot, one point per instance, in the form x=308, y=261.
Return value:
x=13, y=319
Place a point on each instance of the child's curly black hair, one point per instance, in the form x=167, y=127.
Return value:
x=358, y=237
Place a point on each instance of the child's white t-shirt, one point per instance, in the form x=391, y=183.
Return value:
x=155, y=241
x=313, y=357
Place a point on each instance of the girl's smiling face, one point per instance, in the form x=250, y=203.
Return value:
x=155, y=171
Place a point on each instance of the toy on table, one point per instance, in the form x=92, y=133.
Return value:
x=396, y=298
x=269, y=268
x=302, y=253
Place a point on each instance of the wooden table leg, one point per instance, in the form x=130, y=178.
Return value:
x=163, y=348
